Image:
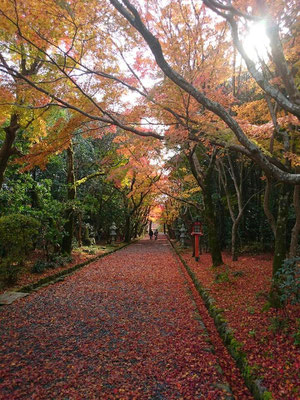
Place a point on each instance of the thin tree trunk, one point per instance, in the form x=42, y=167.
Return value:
x=210, y=218
x=296, y=228
x=127, y=229
x=234, y=230
x=69, y=214
x=280, y=241
x=79, y=238
x=238, y=189
x=267, y=211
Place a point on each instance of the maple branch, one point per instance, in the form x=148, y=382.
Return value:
x=277, y=56
x=28, y=107
x=111, y=121
x=86, y=70
x=196, y=169
x=15, y=152
x=134, y=19
x=216, y=5
x=181, y=200
x=114, y=120
x=274, y=121
x=88, y=177
x=133, y=72
x=243, y=150
x=272, y=91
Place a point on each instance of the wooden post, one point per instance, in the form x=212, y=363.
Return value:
x=196, y=247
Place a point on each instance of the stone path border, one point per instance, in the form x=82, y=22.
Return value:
x=234, y=347
x=58, y=277
x=9, y=297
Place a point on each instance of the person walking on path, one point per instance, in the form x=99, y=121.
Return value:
x=123, y=327
x=150, y=234
x=156, y=234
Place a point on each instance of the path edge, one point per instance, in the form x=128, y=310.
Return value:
x=60, y=276
x=253, y=383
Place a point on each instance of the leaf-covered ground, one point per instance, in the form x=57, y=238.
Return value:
x=269, y=336
x=27, y=277
x=124, y=327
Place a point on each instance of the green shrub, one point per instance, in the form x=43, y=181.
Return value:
x=222, y=277
x=60, y=260
x=55, y=261
x=288, y=280
x=18, y=234
x=278, y=324
x=296, y=335
x=41, y=265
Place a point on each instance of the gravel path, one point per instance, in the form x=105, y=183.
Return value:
x=124, y=327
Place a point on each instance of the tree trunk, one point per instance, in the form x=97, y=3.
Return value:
x=234, y=251
x=267, y=211
x=127, y=229
x=205, y=182
x=296, y=228
x=35, y=201
x=280, y=240
x=7, y=147
x=79, y=236
x=210, y=219
x=69, y=213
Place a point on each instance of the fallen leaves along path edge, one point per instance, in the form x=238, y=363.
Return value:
x=238, y=366
x=61, y=275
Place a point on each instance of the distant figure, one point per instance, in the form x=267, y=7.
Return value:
x=151, y=234
x=156, y=234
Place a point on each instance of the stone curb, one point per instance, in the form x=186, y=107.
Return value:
x=253, y=383
x=60, y=276
x=194, y=296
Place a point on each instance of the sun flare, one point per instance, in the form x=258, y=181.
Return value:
x=256, y=43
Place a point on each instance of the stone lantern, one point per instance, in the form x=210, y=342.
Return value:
x=197, y=233
x=112, y=232
x=182, y=235
x=177, y=229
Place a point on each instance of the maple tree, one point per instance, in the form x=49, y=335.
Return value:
x=267, y=163
x=133, y=16
x=22, y=110
x=194, y=94
x=226, y=170
x=197, y=98
x=135, y=178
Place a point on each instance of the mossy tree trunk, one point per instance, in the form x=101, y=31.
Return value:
x=280, y=251
x=204, y=176
x=211, y=223
x=296, y=228
x=7, y=149
x=128, y=228
x=234, y=231
x=28, y=67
